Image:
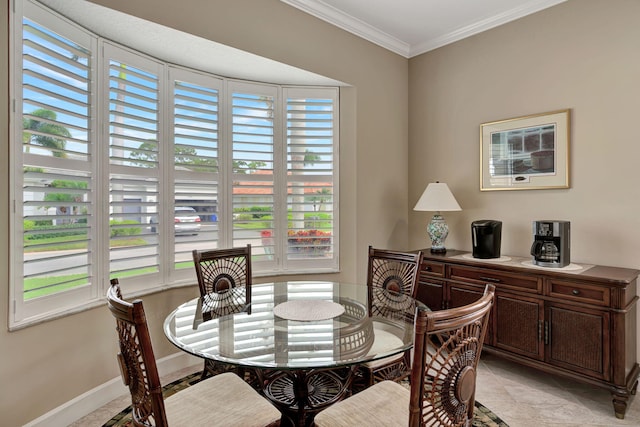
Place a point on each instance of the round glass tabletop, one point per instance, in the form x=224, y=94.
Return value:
x=293, y=325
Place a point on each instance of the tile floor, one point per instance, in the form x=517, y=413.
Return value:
x=521, y=396
x=524, y=397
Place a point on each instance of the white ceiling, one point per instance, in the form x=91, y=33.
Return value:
x=412, y=27
x=407, y=27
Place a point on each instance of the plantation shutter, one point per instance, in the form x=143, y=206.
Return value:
x=311, y=120
x=107, y=144
x=196, y=160
x=56, y=201
x=134, y=159
x=253, y=202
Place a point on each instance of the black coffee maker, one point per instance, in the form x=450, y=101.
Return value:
x=486, y=235
x=551, y=243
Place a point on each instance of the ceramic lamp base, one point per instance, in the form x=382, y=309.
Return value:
x=438, y=232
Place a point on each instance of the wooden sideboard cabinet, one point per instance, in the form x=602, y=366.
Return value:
x=578, y=322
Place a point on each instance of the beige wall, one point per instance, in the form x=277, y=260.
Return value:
x=46, y=365
x=577, y=55
x=582, y=55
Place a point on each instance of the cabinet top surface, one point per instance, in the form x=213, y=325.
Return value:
x=523, y=265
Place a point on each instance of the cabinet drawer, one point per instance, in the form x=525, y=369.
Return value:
x=582, y=292
x=431, y=268
x=501, y=280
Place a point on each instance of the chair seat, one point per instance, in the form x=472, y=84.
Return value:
x=385, y=404
x=383, y=341
x=243, y=406
x=376, y=364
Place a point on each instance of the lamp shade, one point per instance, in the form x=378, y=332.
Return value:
x=437, y=197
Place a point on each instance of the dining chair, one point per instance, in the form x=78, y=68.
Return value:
x=392, y=278
x=221, y=270
x=224, y=399
x=447, y=347
x=224, y=280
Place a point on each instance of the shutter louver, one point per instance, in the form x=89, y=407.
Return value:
x=101, y=171
x=133, y=169
x=196, y=177
x=310, y=176
x=253, y=175
x=57, y=186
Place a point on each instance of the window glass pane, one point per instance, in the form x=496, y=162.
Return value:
x=310, y=172
x=133, y=247
x=57, y=230
x=56, y=181
x=253, y=173
x=196, y=164
x=134, y=185
x=55, y=94
x=177, y=160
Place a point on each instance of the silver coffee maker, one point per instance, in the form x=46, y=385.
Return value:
x=551, y=243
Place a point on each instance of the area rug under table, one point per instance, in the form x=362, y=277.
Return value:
x=482, y=416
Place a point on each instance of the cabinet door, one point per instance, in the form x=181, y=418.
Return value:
x=463, y=294
x=431, y=292
x=578, y=339
x=519, y=325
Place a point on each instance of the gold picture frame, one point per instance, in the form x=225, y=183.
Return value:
x=525, y=153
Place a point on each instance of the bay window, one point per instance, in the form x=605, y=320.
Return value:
x=122, y=164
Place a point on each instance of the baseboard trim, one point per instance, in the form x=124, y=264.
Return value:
x=97, y=397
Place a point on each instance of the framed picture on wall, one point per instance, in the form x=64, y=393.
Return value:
x=525, y=153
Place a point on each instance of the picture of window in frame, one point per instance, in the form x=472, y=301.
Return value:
x=525, y=153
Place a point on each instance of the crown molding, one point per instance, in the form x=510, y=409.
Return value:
x=483, y=25
x=353, y=25
x=361, y=29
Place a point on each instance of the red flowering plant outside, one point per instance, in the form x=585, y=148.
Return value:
x=309, y=241
x=265, y=233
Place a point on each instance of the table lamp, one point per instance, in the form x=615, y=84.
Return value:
x=437, y=197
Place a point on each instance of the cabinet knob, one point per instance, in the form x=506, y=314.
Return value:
x=427, y=268
x=575, y=292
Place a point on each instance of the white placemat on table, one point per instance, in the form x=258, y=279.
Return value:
x=570, y=267
x=306, y=310
x=500, y=259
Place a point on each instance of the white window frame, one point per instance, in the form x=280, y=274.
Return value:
x=24, y=313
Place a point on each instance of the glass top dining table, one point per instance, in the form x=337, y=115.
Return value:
x=301, y=340
x=293, y=325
